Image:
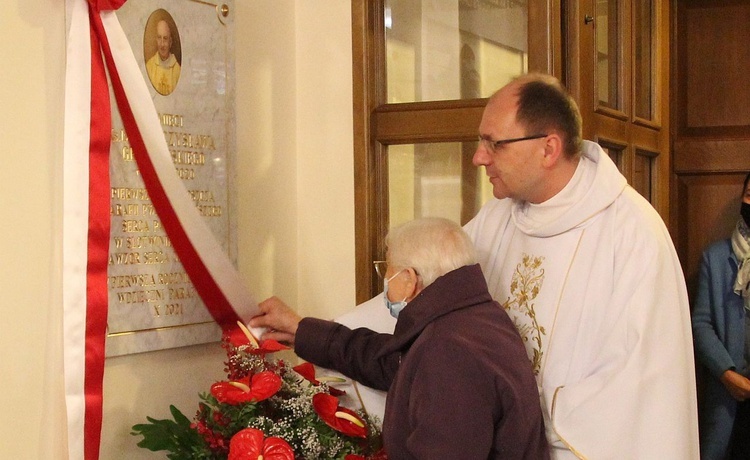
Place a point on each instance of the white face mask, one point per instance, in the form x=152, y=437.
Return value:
x=394, y=307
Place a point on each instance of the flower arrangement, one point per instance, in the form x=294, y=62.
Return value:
x=265, y=409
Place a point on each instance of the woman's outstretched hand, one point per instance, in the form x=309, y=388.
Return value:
x=279, y=320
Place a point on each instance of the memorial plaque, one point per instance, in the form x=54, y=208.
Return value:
x=185, y=50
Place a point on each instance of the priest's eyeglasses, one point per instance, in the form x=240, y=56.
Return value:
x=493, y=145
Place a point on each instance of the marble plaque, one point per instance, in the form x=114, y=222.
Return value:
x=185, y=50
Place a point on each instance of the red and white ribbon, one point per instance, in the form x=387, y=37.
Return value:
x=95, y=42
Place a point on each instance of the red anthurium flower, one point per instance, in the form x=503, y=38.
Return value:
x=335, y=391
x=251, y=444
x=104, y=5
x=268, y=346
x=307, y=370
x=241, y=335
x=262, y=386
x=339, y=418
x=237, y=337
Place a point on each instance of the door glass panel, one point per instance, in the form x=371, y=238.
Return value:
x=453, y=49
x=643, y=173
x=607, y=56
x=435, y=180
x=644, y=48
x=615, y=152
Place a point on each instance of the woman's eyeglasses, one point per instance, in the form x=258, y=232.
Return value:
x=381, y=266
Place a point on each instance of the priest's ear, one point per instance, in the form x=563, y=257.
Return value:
x=554, y=149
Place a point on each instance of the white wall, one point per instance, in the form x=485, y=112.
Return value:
x=325, y=159
x=295, y=210
x=296, y=187
x=31, y=105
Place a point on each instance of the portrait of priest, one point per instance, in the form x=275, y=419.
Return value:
x=163, y=68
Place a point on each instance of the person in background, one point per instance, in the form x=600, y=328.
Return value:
x=458, y=380
x=721, y=321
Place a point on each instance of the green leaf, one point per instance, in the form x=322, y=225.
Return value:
x=179, y=417
x=174, y=436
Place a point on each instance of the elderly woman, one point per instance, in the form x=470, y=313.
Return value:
x=459, y=382
x=721, y=331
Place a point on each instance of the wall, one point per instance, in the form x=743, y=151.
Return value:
x=295, y=210
x=325, y=179
x=31, y=96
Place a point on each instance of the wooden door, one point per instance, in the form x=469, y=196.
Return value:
x=711, y=107
x=618, y=70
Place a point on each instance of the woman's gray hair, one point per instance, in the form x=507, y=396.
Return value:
x=433, y=246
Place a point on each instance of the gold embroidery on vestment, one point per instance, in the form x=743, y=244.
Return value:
x=524, y=287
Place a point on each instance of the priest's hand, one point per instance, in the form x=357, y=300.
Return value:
x=736, y=384
x=279, y=320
